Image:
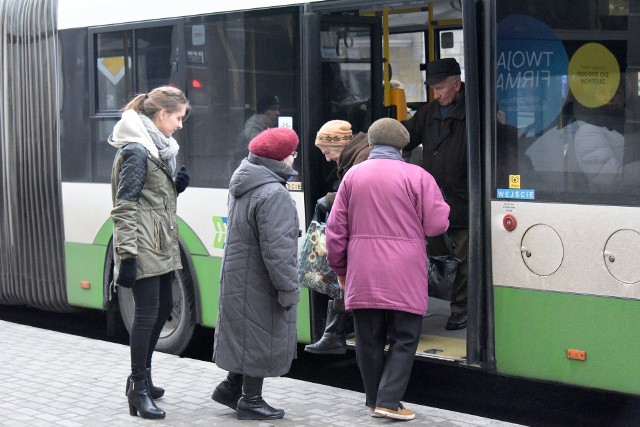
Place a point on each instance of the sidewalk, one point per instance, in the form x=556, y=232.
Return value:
x=53, y=379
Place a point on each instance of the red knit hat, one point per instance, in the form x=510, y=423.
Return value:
x=274, y=143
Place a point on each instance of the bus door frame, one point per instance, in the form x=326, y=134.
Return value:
x=312, y=109
x=480, y=334
x=479, y=296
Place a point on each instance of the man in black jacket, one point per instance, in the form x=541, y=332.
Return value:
x=440, y=126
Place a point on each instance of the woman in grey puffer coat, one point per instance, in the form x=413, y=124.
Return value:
x=255, y=333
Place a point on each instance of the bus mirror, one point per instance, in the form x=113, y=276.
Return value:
x=446, y=40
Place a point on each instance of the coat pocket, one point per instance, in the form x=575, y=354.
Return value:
x=161, y=236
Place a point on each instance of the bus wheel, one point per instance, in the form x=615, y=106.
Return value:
x=178, y=329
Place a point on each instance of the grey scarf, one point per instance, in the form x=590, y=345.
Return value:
x=167, y=146
x=385, y=152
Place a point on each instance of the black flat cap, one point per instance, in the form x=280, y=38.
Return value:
x=440, y=69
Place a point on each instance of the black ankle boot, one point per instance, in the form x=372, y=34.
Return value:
x=156, y=392
x=333, y=339
x=140, y=401
x=229, y=391
x=251, y=406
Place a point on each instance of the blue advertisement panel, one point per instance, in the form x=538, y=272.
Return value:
x=531, y=77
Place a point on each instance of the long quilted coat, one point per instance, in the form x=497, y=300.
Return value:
x=376, y=233
x=255, y=333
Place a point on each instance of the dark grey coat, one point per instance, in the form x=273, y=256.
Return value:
x=255, y=334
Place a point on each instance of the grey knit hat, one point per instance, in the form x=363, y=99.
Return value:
x=388, y=131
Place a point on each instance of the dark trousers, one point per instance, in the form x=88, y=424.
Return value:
x=154, y=301
x=386, y=378
x=460, y=242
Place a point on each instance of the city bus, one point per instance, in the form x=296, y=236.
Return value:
x=553, y=120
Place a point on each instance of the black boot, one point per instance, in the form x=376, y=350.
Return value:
x=140, y=401
x=333, y=339
x=156, y=392
x=229, y=391
x=251, y=406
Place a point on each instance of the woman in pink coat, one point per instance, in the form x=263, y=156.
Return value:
x=376, y=245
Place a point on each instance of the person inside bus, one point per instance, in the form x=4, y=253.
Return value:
x=375, y=243
x=145, y=184
x=440, y=126
x=599, y=147
x=255, y=334
x=266, y=116
x=338, y=144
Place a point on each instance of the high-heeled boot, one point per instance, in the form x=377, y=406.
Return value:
x=229, y=391
x=140, y=401
x=251, y=406
x=333, y=339
x=156, y=392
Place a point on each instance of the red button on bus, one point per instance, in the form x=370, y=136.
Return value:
x=509, y=222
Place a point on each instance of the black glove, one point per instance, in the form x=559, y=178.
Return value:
x=127, y=272
x=182, y=179
x=323, y=204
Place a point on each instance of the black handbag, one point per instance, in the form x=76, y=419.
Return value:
x=443, y=270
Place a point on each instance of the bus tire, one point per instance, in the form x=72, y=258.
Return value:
x=178, y=329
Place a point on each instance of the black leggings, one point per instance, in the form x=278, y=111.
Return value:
x=154, y=301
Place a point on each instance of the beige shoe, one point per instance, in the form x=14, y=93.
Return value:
x=397, y=414
x=372, y=412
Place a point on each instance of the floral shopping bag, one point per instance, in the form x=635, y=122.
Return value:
x=313, y=270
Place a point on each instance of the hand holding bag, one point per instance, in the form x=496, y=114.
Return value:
x=443, y=270
x=313, y=269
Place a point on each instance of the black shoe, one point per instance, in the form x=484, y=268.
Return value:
x=333, y=339
x=226, y=394
x=457, y=321
x=253, y=407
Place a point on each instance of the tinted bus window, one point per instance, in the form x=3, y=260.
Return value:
x=567, y=95
x=237, y=63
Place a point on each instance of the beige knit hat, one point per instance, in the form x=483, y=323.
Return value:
x=335, y=133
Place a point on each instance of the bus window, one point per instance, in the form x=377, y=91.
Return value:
x=451, y=46
x=234, y=62
x=567, y=99
x=346, y=74
x=406, y=52
x=113, y=65
x=119, y=56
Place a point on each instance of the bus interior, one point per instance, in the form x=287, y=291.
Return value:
x=371, y=65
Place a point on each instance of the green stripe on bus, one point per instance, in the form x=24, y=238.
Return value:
x=207, y=270
x=84, y=268
x=104, y=234
x=534, y=329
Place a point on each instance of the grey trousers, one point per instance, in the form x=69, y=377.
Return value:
x=386, y=377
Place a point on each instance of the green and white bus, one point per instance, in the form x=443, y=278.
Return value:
x=553, y=126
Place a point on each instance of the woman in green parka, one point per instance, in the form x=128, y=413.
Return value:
x=144, y=186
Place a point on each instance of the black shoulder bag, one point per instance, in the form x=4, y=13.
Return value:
x=443, y=270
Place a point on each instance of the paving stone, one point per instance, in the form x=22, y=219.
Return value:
x=61, y=380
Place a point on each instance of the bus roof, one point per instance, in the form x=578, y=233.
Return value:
x=88, y=13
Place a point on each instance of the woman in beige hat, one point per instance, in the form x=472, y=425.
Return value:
x=338, y=144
